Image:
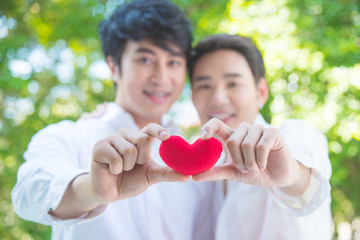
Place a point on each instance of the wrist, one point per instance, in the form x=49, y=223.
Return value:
x=301, y=183
x=84, y=192
x=79, y=199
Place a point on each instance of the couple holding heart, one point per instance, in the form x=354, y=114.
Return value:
x=91, y=179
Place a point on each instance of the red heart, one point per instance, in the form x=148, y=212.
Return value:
x=190, y=159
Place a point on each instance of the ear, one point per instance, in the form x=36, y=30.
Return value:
x=114, y=68
x=263, y=92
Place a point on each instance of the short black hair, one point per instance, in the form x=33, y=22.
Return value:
x=242, y=45
x=160, y=21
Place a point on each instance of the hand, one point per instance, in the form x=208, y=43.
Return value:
x=122, y=166
x=258, y=156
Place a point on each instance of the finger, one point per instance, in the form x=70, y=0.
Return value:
x=267, y=141
x=233, y=145
x=127, y=150
x=141, y=140
x=217, y=173
x=216, y=127
x=157, y=131
x=144, y=144
x=157, y=174
x=248, y=148
x=105, y=154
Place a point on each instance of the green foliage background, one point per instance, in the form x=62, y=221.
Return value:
x=311, y=51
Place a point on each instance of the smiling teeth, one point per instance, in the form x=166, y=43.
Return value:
x=157, y=94
x=220, y=116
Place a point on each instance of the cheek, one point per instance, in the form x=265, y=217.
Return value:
x=239, y=99
x=243, y=102
x=199, y=103
x=243, y=95
x=180, y=82
x=180, y=79
x=132, y=89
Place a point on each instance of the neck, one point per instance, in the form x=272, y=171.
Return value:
x=140, y=121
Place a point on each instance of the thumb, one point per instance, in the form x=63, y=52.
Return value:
x=155, y=130
x=216, y=173
x=156, y=174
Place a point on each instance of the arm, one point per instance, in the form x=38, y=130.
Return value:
x=78, y=199
x=49, y=167
x=121, y=168
x=50, y=182
x=308, y=146
x=295, y=169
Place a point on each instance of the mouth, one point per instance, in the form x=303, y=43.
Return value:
x=224, y=117
x=156, y=96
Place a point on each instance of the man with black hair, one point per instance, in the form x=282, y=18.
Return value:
x=278, y=184
x=90, y=179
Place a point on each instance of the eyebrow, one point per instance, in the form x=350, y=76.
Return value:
x=232, y=75
x=225, y=76
x=202, y=78
x=147, y=50
x=144, y=50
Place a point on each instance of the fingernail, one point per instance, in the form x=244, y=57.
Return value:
x=164, y=134
x=204, y=134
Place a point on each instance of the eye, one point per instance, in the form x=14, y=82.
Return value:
x=232, y=84
x=202, y=87
x=144, y=60
x=175, y=63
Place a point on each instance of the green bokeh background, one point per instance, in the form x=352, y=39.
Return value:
x=312, y=56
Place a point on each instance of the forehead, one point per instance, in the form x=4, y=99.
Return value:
x=221, y=62
x=152, y=47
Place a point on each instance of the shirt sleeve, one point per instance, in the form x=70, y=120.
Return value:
x=50, y=165
x=308, y=146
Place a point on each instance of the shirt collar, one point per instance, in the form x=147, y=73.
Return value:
x=259, y=119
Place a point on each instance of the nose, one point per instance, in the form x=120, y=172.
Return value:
x=220, y=96
x=161, y=74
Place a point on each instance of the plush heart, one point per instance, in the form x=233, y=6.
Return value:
x=190, y=159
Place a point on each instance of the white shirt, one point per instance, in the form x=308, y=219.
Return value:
x=260, y=213
x=60, y=152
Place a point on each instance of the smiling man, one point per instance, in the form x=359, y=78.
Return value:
x=279, y=177
x=152, y=80
x=89, y=179
x=223, y=88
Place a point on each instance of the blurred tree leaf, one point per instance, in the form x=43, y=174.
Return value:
x=48, y=50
